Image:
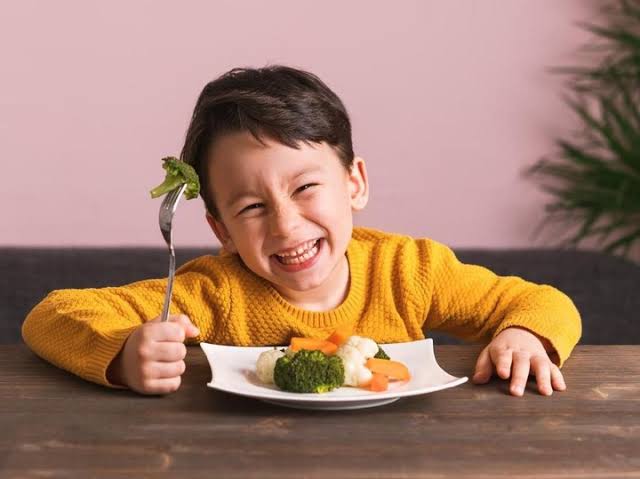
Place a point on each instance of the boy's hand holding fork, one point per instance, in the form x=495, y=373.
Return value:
x=152, y=358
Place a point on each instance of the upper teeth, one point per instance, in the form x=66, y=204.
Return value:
x=299, y=250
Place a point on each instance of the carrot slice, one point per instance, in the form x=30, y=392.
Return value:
x=389, y=368
x=340, y=335
x=379, y=382
x=313, y=344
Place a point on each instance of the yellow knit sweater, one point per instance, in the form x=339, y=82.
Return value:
x=399, y=288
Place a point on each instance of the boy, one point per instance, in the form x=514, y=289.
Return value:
x=280, y=182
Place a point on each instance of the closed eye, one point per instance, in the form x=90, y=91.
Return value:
x=253, y=206
x=306, y=187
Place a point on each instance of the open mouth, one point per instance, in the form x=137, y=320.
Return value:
x=301, y=255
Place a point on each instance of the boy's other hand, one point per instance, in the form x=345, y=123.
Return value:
x=152, y=358
x=515, y=353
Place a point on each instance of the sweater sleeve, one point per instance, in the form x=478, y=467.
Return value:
x=475, y=304
x=82, y=330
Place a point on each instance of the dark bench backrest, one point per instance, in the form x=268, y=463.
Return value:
x=605, y=289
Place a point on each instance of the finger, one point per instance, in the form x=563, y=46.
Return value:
x=190, y=329
x=163, y=331
x=484, y=367
x=540, y=368
x=168, y=351
x=557, y=379
x=519, y=373
x=502, y=358
x=163, y=370
x=161, y=386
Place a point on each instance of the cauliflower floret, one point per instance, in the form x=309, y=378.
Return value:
x=355, y=371
x=266, y=363
x=367, y=347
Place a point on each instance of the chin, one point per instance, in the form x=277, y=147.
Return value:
x=304, y=285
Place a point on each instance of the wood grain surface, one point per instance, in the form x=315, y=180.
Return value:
x=53, y=424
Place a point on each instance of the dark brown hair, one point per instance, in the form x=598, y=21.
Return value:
x=281, y=103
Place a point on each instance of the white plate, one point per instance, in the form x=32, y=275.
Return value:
x=233, y=371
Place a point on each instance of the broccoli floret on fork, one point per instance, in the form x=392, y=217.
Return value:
x=178, y=173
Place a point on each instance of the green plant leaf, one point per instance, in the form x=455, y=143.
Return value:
x=628, y=8
x=593, y=179
x=624, y=242
x=619, y=36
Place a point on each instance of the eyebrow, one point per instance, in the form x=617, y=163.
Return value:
x=235, y=198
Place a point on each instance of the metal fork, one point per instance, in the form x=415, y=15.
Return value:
x=167, y=210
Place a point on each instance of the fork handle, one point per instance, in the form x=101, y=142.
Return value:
x=167, y=296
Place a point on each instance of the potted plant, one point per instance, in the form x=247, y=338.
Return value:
x=594, y=177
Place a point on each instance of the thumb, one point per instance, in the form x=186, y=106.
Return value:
x=190, y=329
x=484, y=367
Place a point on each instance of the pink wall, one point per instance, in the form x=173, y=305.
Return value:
x=450, y=102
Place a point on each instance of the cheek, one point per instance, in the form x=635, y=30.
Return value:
x=333, y=213
x=246, y=237
x=331, y=203
x=338, y=208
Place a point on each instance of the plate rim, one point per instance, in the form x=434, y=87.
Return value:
x=310, y=398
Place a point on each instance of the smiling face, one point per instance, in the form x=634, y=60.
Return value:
x=287, y=212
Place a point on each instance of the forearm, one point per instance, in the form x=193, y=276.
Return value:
x=475, y=304
x=77, y=332
x=540, y=309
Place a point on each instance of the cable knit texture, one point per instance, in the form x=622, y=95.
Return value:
x=399, y=289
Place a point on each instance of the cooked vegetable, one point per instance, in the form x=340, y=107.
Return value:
x=266, y=364
x=312, y=365
x=309, y=372
x=355, y=372
x=381, y=354
x=312, y=344
x=340, y=335
x=379, y=382
x=368, y=347
x=391, y=369
x=178, y=173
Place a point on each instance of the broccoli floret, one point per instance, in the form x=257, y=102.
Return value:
x=381, y=354
x=178, y=173
x=309, y=372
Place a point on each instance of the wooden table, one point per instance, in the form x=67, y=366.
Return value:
x=55, y=425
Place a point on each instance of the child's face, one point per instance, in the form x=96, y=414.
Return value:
x=287, y=212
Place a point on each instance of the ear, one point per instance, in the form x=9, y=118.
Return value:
x=358, y=184
x=221, y=232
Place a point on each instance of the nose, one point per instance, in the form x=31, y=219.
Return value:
x=283, y=220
